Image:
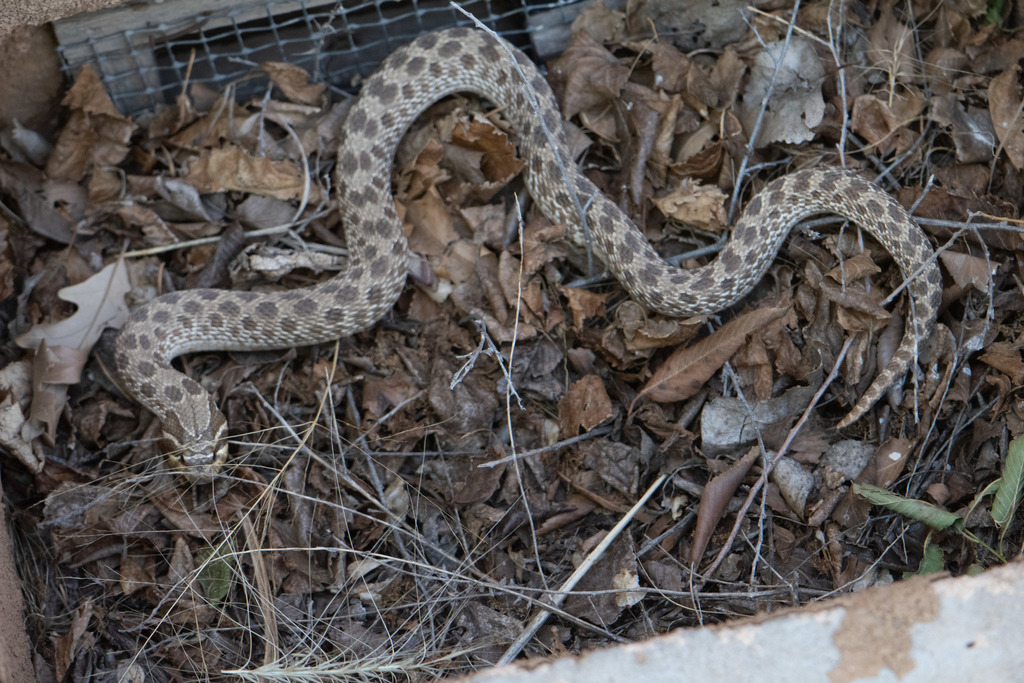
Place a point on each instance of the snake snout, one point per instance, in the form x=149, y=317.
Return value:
x=200, y=463
x=197, y=454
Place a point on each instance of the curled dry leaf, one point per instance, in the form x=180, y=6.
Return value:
x=15, y=388
x=1004, y=103
x=691, y=25
x=601, y=23
x=971, y=128
x=879, y=122
x=686, y=370
x=294, y=82
x=49, y=207
x=700, y=205
x=498, y=161
x=232, y=168
x=795, y=484
x=715, y=499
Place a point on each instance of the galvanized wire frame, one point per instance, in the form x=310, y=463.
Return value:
x=145, y=55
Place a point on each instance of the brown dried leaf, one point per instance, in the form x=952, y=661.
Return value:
x=498, y=162
x=595, y=598
x=48, y=206
x=602, y=24
x=583, y=304
x=62, y=348
x=968, y=271
x=882, y=470
x=15, y=388
x=480, y=482
x=587, y=76
x=1005, y=357
x=585, y=405
x=793, y=87
x=891, y=48
x=95, y=134
x=209, y=130
x=100, y=301
x=889, y=461
x=1004, y=102
x=873, y=120
x=232, y=168
x=715, y=499
x=76, y=639
x=146, y=222
x=294, y=83
x=670, y=66
x=430, y=225
x=54, y=369
x=487, y=222
x=686, y=370
x=854, y=268
x=700, y=205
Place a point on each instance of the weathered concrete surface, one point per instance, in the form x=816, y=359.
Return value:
x=928, y=630
x=15, y=13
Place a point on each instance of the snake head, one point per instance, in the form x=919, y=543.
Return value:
x=196, y=447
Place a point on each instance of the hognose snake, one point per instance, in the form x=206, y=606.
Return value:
x=413, y=77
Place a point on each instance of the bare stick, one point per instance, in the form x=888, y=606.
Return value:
x=558, y=598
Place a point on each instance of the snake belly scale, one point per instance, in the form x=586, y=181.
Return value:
x=412, y=78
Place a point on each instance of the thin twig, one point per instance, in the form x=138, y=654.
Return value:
x=563, y=592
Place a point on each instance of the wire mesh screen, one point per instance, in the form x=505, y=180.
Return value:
x=147, y=53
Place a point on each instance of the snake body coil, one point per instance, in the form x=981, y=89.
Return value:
x=412, y=78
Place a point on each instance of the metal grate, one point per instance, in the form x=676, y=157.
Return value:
x=145, y=52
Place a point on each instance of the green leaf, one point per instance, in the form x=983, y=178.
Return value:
x=933, y=516
x=215, y=573
x=1008, y=496
x=994, y=13
x=931, y=562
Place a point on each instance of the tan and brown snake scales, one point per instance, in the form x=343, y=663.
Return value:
x=415, y=76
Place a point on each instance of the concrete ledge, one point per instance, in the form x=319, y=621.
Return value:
x=924, y=629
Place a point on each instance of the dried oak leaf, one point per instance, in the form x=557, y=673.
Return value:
x=688, y=368
x=15, y=387
x=498, y=162
x=62, y=348
x=601, y=23
x=100, y=301
x=880, y=122
x=606, y=589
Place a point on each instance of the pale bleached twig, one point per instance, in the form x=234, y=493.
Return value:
x=558, y=598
